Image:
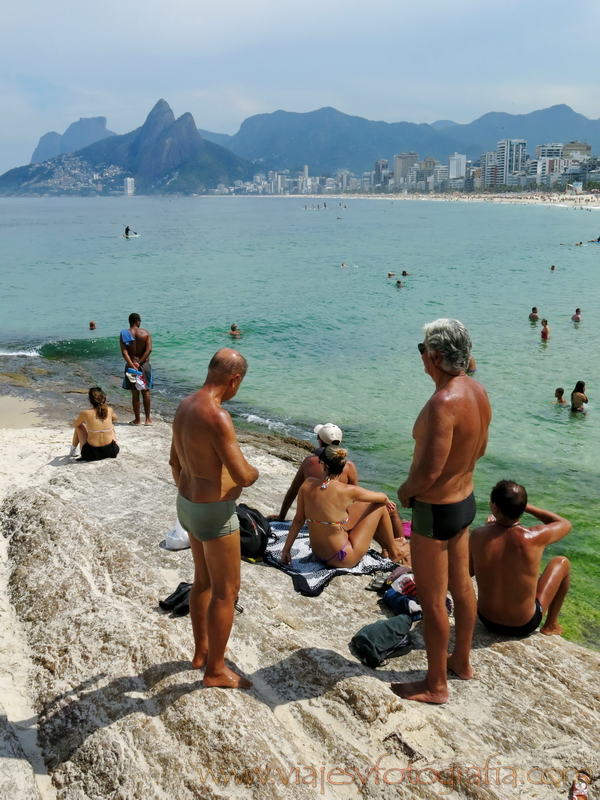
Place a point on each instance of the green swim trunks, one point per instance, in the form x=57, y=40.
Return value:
x=207, y=521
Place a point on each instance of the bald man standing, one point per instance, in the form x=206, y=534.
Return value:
x=210, y=472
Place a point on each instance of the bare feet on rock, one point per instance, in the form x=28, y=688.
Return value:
x=459, y=668
x=420, y=692
x=552, y=629
x=199, y=659
x=226, y=678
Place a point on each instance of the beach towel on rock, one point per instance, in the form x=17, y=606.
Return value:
x=308, y=575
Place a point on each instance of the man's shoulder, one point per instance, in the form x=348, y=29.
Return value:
x=141, y=333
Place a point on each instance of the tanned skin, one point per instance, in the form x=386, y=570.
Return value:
x=208, y=466
x=450, y=435
x=311, y=468
x=505, y=559
x=135, y=354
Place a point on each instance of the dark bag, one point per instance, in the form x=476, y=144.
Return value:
x=254, y=531
x=386, y=638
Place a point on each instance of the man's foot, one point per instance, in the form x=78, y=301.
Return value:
x=459, y=668
x=136, y=422
x=553, y=629
x=148, y=421
x=420, y=692
x=226, y=678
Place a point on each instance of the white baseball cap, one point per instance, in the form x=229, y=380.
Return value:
x=329, y=433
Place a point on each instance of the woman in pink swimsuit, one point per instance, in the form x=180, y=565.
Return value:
x=344, y=519
x=545, y=330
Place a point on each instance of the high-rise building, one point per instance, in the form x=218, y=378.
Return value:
x=305, y=175
x=128, y=187
x=402, y=163
x=554, y=150
x=511, y=159
x=457, y=166
x=489, y=168
x=381, y=168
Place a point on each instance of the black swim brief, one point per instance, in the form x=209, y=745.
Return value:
x=91, y=453
x=443, y=521
x=516, y=631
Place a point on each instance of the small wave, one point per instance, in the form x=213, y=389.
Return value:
x=29, y=353
x=79, y=348
x=272, y=425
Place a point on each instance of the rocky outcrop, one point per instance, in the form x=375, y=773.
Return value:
x=79, y=134
x=122, y=715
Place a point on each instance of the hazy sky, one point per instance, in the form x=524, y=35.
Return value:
x=227, y=59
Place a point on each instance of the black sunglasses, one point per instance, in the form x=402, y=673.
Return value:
x=421, y=348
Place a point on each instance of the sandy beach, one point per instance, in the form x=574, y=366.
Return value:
x=97, y=685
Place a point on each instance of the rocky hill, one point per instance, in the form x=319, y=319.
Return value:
x=166, y=155
x=86, y=131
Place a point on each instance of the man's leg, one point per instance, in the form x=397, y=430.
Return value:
x=430, y=567
x=199, y=600
x=146, y=399
x=135, y=402
x=465, y=604
x=552, y=588
x=222, y=558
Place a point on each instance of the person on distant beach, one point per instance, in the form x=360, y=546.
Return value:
x=545, y=333
x=534, y=314
x=505, y=559
x=94, y=430
x=136, y=346
x=578, y=398
x=210, y=471
x=234, y=331
x=310, y=468
x=451, y=434
x=560, y=400
x=363, y=515
x=577, y=315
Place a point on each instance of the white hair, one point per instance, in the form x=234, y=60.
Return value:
x=452, y=340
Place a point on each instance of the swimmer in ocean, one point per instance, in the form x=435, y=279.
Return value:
x=399, y=284
x=534, y=316
x=391, y=274
x=234, y=331
x=560, y=400
x=405, y=273
x=577, y=315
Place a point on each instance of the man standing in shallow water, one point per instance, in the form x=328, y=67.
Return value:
x=450, y=435
x=210, y=471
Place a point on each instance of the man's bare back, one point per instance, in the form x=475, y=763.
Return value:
x=505, y=559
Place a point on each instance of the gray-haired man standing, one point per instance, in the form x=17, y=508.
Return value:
x=450, y=434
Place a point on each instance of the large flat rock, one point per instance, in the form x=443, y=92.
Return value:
x=123, y=715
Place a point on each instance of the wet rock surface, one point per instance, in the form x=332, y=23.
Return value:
x=123, y=715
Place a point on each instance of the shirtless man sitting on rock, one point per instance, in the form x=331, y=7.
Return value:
x=210, y=471
x=310, y=468
x=505, y=559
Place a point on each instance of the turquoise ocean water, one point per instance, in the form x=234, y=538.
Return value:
x=331, y=344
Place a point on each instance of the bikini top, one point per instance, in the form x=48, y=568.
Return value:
x=323, y=522
x=104, y=430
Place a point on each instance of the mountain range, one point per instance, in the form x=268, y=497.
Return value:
x=169, y=155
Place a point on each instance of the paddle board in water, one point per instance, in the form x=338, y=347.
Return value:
x=132, y=236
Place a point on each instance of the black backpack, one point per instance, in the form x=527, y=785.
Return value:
x=386, y=638
x=254, y=531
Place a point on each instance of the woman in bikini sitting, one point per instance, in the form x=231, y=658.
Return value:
x=94, y=430
x=343, y=519
x=578, y=398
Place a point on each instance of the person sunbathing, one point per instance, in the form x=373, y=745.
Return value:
x=94, y=430
x=343, y=519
